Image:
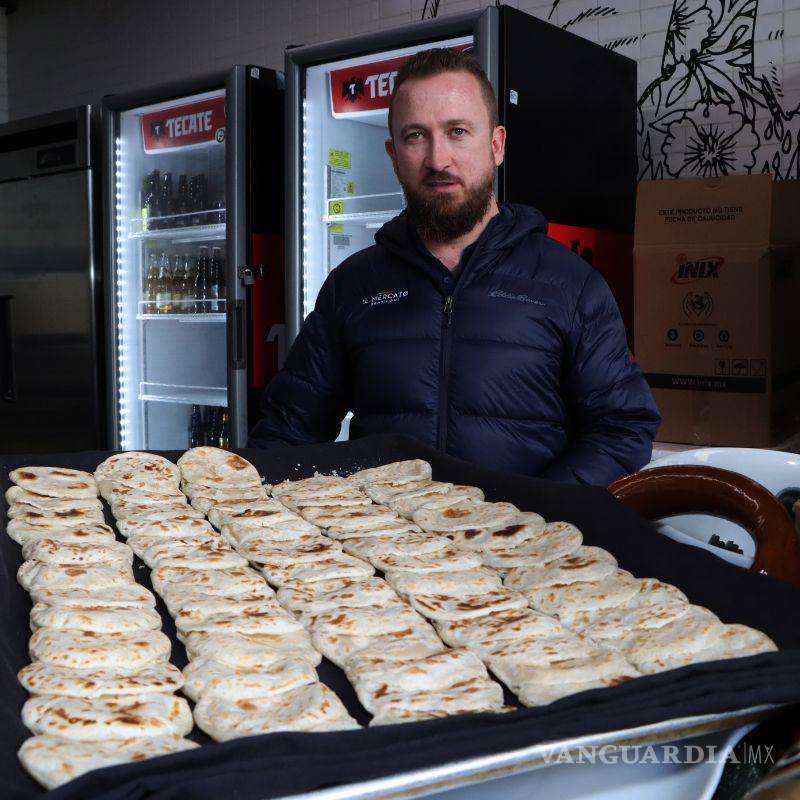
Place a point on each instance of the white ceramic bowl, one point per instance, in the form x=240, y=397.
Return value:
x=771, y=468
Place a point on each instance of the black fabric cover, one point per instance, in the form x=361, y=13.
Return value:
x=279, y=764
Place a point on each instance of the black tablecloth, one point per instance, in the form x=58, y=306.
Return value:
x=278, y=764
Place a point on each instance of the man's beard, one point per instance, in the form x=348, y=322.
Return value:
x=439, y=218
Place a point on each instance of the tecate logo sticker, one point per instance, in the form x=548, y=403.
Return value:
x=382, y=298
x=696, y=270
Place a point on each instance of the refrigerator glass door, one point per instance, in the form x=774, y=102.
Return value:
x=349, y=187
x=171, y=338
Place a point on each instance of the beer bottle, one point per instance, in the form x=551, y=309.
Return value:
x=189, y=273
x=164, y=293
x=178, y=286
x=194, y=201
x=150, y=203
x=224, y=434
x=195, y=428
x=201, y=288
x=202, y=200
x=165, y=198
x=151, y=285
x=222, y=281
x=213, y=279
x=182, y=203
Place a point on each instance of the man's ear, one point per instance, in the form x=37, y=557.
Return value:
x=499, y=145
x=389, y=145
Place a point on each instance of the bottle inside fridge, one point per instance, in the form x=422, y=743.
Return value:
x=171, y=215
x=349, y=186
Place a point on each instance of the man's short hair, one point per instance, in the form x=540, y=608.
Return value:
x=438, y=60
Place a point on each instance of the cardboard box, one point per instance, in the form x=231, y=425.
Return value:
x=717, y=307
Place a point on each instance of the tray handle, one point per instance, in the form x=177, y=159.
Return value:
x=690, y=489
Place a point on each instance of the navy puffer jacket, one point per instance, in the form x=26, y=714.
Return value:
x=521, y=366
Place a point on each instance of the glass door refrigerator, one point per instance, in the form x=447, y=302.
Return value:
x=194, y=230
x=569, y=106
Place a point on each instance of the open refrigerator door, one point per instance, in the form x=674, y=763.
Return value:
x=169, y=273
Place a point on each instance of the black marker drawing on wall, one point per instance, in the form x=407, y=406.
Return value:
x=709, y=113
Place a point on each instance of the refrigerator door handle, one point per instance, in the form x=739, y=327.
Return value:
x=8, y=391
x=237, y=340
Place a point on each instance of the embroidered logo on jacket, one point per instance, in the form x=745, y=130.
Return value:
x=382, y=298
x=522, y=298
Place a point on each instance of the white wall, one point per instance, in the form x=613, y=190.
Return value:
x=718, y=103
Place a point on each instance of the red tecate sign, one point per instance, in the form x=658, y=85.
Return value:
x=367, y=87
x=185, y=125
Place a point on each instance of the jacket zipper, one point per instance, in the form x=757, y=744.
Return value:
x=444, y=371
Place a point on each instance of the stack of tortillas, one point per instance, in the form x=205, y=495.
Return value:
x=102, y=688
x=253, y=666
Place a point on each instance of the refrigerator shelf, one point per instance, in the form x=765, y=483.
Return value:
x=196, y=233
x=366, y=218
x=210, y=317
x=189, y=395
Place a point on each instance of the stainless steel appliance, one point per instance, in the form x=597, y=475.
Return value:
x=51, y=352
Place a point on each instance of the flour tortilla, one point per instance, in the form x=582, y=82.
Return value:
x=316, y=486
x=583, y=564
x=130, y=595
x=86, y=650
x=343, y=518
x=365, y=620
x=411, y=642
x=394, y=527
x=600, y=665
x=180, y=597
x=271, y=621
x=339, y=565
x=556, y=540
x=441, y=607
x=113, y=492
x=435, y=500
x=140, y=514
x=203, y=556
x=252, y=513
x=52, y=551
x=694, y=631
x=397, y=716
x=88, y=507
x=147, y=547
x=212, y=466
x=209, y=607
x=175, y=526
x=429, y=673
x=408, y=647
x=284, y=554
x=534, y=693
x=464, y=515
x=45, y=679
x=396, y=472
x=54, y=761
x=247, y=652
x=304, y=708
x=293, y=530
x=609, y=624
x=222, y=493
x=143, y=471
x=108, y=717
x=565, y=600
x=473, y=695
x=460, y=583
x=450, y=559
x=733, y=641
x=483, y=634
x=208, y=678
x=508, y=658
x=388, y=491
x=349, y=593
x=68, y=518
x=16, y=495
x=525, y=527
x=34, y=575
x=170, y=582
x=94, y=533
x=54, y=481
x=368, y=547
x=345, y=498
x=97, y=619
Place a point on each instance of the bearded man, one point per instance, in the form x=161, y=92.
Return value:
x=465, y=326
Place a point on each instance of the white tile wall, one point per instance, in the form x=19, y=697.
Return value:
x=55, y=54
